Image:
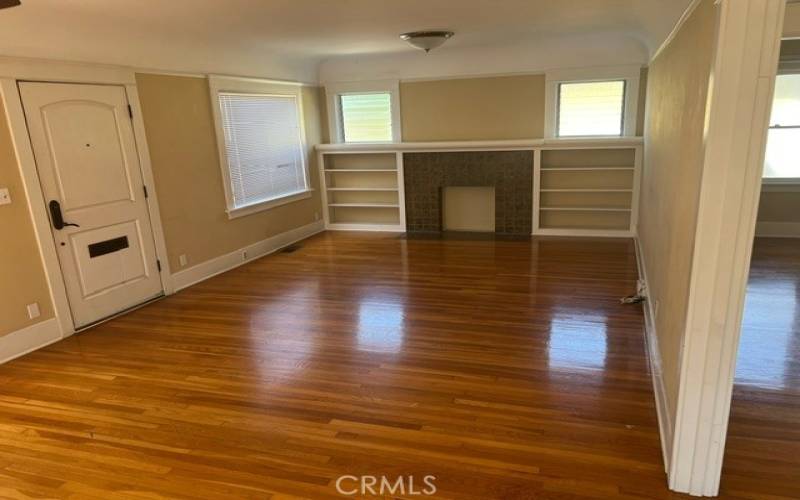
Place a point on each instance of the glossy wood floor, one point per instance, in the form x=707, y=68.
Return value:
x=763, y=451
x=507, y=369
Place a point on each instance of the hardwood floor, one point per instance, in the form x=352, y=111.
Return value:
x=506, y=369
x=764, y=432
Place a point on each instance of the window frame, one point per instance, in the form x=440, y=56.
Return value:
x=630, y=75
x=255, y=87
x=333, y=92
x=786, y=67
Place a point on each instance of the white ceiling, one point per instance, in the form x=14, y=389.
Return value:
x=290, y=38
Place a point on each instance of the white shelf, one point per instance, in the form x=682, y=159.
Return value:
x=360, y=170
x=584, y=169
x=364, y=205
x=364, y=226
x=598, y=190
x=388, y=190
x=585, y=209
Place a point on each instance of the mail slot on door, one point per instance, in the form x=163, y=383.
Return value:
x=108, y=246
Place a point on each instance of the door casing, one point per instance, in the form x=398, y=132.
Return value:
x=14, y=70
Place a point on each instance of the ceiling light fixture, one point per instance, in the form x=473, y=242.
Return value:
x=426, y=40
x=4, y=4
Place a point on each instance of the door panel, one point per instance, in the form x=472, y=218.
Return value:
x=92, y=151
x=87, y=160
x=108, y=257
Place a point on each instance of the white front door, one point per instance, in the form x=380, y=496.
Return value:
x=88, y=165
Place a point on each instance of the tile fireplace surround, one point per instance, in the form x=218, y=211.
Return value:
x=509, y=172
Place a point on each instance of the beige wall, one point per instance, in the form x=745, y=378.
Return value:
x=642, y=104
x=489, y=108
x=183, y=152
x=677, y=92
x=22, y=277
x=779, y=206
x=494, y=108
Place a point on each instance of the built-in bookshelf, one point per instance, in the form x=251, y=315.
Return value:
x=581, y=187
x=363, y=190
x=586, y=191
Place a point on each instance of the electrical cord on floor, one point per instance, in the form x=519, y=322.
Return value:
x=633, y=299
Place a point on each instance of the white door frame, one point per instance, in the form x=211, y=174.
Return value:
x=13, y=70
x=743, y=79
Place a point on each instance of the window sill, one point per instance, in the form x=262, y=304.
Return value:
x=235, y=213
x=780, y=185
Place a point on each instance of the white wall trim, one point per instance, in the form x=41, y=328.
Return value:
x=36, y=68
x=629, y=73
x=589, y=233
x=153, y=208
x=505, y=145
x=55, y=71
x=742, y=84
x=665, y=428
x=24, y=68
x=765, y=229
x=218, y=84
x=218, y=265
x=36, y=204
x=334, y=90
x=36, y=336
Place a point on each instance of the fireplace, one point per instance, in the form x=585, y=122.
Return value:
x=508, y=173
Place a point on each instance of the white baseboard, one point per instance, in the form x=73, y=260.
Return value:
x=778, y=229
x=218, y=265
x=591, y=233
x=21, y=342
x=665, y=428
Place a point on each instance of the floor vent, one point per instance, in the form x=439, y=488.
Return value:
x=291, y=248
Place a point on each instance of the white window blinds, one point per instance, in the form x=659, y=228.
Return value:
x=591, y=108
x=366, y=117
x=264, y=147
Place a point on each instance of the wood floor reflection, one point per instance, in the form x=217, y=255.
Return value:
x=507, y=369
x=764, y=433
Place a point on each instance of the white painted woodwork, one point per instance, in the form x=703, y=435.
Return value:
x=87, y=160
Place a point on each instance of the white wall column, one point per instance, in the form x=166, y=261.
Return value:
x=742, y=84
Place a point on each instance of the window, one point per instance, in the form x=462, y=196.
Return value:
x=366, y=117
x=591, y=108
x=592, y=102
x=364, y=112
x=783, y=156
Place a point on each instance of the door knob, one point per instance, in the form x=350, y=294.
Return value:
x=56, y=216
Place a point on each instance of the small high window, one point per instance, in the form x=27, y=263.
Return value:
x=366, y=117
x=590, y=108
x=364, y=112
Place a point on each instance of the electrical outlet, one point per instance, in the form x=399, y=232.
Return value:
x=5, y=196
x=183, y=260
x=33, y=310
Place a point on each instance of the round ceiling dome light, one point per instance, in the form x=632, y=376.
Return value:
x=426, y=40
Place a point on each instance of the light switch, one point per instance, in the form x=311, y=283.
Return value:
x=33, y=310
x=5, y=197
